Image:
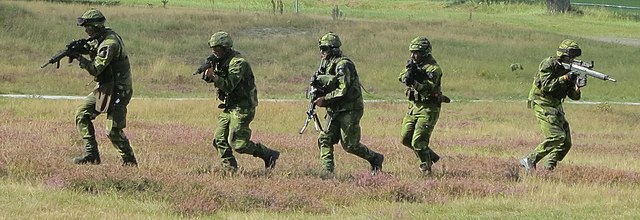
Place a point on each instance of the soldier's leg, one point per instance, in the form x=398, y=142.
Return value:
x=558, y=153
x=221, y=141
x=553, y=132
x=351, y=133
x=408, y=129
x=240, y=137
x=84, y=115
x=326, y=140
x=118, y=121
x=421, y=138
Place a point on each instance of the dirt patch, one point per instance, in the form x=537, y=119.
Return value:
x=274, y=31
x=618, y=40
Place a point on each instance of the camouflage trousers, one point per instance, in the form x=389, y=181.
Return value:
x=557, y=136
x=417, y=127
x=233, y=133
x=344, y=127
x=116, y=122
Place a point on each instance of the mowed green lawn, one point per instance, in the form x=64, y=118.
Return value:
x=631, y=3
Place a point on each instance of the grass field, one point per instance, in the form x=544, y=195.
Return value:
x=179, y=176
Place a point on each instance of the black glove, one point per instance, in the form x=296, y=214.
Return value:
x=84, y=62
x=580, y=81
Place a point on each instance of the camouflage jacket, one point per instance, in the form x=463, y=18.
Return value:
x=345, y=93
x=549, y=86
x=110, y=62
x=236, y=82
x=426, y=94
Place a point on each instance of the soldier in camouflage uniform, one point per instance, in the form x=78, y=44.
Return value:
x=232, y=76
x=422, y=77
x=345, y=107
x=109, y=65
x=551, y=86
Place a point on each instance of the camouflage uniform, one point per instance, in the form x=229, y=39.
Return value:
x=425, y=98
x=109, y=64
x=345, y=107
x=550, y=87
x=237, y=91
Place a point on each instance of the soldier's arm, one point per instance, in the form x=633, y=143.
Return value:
x=107, y=50
x=402, y=74
x=574, y=93
x=427, y=87
x=551, y=79
x=238, y=68
x=344, y=70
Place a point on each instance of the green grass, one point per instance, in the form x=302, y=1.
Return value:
x=167, y=44
x=179, y=175
x=631, y=3
x=179, y=172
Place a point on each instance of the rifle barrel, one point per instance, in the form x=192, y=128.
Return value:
x=589, y=72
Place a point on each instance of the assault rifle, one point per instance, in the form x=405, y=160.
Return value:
x=584, y=69
x=315, y=90
x=211, y=60
x=412, y=75
x=74, y=49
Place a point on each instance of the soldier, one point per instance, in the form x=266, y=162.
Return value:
x=343, y=100
x=422, y=77
x=550, y=87
x=232, y=76
x=109, y=65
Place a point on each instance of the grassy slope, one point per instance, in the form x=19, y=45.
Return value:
x=475, y=54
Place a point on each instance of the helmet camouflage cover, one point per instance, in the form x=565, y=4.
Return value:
x=330, y=40
x=92, y=17
x=570, y=48
x=221, y=39
x=420, y=44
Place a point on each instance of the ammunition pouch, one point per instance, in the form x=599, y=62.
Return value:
x=436, y=98
x=104, y=95
x=106, y=84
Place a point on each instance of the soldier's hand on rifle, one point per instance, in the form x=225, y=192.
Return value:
x=581, y=81
x=210, y=76
x=320, y=101
x=570, y=77
x=84, y=63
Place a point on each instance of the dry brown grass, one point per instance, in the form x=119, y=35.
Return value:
x=179, y=166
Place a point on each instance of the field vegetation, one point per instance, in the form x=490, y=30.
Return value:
x=179, y=174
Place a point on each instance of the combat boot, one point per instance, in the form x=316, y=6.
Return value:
x=376, y=163
x=434, y=157
x=326, y=174
x=129, y=161
x=527, y=164
x=270, y=159
x=87, y=159
x=425, y=169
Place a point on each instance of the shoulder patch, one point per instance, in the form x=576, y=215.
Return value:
x=104, y=52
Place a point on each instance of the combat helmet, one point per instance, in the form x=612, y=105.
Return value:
x=420, y=44
x=569, y=48
x=92, y=17
x=221, y=39
x=330, y=40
